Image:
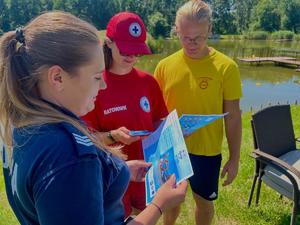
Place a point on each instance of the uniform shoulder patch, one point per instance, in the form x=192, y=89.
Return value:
x=82, y=140
x=5, y=160
x=83, y=143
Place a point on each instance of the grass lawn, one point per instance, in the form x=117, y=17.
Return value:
x=231, y=207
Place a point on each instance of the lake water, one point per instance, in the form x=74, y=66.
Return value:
x=263, y=85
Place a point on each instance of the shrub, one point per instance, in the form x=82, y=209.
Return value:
x=230, y=37
x=297, y=37
x=282, y=34
x=257, y=35
x=158, y=25
x=156, y=45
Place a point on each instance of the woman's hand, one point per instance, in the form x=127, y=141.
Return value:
x=138, y=169
x=122, y=135
x=169, y=195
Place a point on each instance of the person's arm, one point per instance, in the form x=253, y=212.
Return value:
x=233, y=129
x=120, y=135
x=71, y=195
x=168, y=196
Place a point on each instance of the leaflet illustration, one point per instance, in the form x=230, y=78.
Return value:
x=165, y=148
x=191, y=122
x=139, y=132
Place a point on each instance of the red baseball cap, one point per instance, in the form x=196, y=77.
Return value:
x=128, y=31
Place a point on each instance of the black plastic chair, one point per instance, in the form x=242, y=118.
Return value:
x=277, y=161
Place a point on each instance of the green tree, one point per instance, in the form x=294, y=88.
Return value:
x=62, y=5
x=146, y=8
x=100, y=11
x=46, y=5
x=242, y=14
x=290, y=15
x=79, y=8
x=158, y=26
x=16, y=13
x=266, y=16
x=223, y=18
x=22, y=11
x=34, y=9
x=4, y=17
x=229, y=16
x=140, y=7
x=168, y=8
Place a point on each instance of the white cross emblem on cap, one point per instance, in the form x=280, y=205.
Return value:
x=135, y=29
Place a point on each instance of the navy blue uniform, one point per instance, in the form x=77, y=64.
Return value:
x=58, y=177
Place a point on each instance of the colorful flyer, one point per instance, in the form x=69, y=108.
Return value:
x=165, y=148
x=192, y=122
x=139, y=132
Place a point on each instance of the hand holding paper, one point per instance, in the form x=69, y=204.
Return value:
x=122, y=135
x=166, y=150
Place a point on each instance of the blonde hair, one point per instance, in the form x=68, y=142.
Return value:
x=53, y=38
x=194, y=10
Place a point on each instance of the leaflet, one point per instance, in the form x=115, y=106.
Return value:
x=139, y=132
x=192, y=122
x=189, y=123
x=166, y=150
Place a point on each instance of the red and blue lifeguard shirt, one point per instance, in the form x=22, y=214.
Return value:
x=133, y=100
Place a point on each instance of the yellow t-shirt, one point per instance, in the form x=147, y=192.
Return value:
x=199, y=86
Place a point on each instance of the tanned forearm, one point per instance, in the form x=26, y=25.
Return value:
x=233, y=128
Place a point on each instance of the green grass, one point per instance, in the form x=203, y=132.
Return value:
x=102, y=34
x=231, y=207
x=6, y=215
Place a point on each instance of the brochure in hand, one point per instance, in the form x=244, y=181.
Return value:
x=139, y=132
x=192, y=122
x=166, y=150
x=189, y=123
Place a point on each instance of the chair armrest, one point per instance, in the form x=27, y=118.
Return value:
x=254, y=155
x=280, y=163
x=298, y=139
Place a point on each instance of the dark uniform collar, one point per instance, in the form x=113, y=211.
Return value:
x=61, y=109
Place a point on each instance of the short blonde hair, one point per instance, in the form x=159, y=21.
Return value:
x=194, y=10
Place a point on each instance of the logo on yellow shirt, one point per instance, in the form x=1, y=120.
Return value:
x=204, y=82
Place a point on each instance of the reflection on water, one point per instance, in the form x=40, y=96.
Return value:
x=262, y=85
x=258, y=96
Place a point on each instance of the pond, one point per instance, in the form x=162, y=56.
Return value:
x=263, y=85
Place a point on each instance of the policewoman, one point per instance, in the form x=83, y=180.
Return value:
x=55, y=171
x=132, y=99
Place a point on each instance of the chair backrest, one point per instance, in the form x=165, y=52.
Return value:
x=273, y=130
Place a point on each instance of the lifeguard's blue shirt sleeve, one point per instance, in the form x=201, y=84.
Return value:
x=7, y=178
x=66, y=180
x=57, y=181
x=73, y=195
x=58, y=177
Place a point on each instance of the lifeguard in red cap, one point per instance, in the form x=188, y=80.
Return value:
x=132, y=99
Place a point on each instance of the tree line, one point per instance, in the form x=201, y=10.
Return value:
x=229, y=16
